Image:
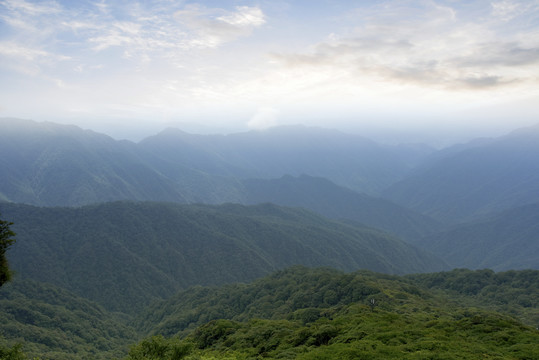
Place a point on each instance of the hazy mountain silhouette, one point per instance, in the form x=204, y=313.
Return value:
x=349, y=160
x=476, y=181
x=508, y=240
x=326, y=198
x=49, y=164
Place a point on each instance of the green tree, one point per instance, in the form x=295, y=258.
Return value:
x=6, y=240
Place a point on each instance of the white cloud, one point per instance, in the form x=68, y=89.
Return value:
x=507, y=9
x=14, y=50
x=265, y=117
x=142, y=30
x=27, y=60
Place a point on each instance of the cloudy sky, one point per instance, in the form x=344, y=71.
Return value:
x=222, y=66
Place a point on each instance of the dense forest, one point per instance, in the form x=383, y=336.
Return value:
x=123, y=255
x=298, y=312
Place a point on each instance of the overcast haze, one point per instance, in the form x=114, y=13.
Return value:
x=125, y=67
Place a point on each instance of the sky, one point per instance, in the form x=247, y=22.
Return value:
x=129, y=68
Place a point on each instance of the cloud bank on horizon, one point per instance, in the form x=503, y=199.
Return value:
x=233, y=64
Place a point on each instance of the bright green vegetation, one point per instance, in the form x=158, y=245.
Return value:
x=324, y=314
x=294, y=313
x=355, y=333
x=124, y=255
x=510, y=292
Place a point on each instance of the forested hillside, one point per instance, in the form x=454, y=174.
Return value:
x=511, y=292
x=324, y=314
x=52, y=323
x=48, y=164
x=125, y=254
x=508, y=240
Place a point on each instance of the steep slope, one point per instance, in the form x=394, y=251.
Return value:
x=49, y=164
x=482, y=179
x=326, y=198
x=125, y=254
x=52, y=323
x=348, y=160
x=509, y=240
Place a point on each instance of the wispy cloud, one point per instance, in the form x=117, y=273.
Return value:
x=213, y=27
x=141, y=31
x=427, y=44
x=204, y=59
x=508, y=10
x=32, y=9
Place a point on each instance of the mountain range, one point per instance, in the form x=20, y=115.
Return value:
x=118, y=240
x=411, y=191
x=48, y=164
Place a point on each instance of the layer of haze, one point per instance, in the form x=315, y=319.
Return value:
x=128, y=68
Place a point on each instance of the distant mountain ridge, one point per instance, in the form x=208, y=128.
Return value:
x=349, y=160
x=326, y=198
x=125, y=254
x=508, y=240
x=48, y=164
x=482, y=179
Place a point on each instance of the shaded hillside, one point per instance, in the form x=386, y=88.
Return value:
x=326, y=198
x=52, y=323
x=479, y=180
x=125, y=254
x=509, y=240
x=348, y=160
